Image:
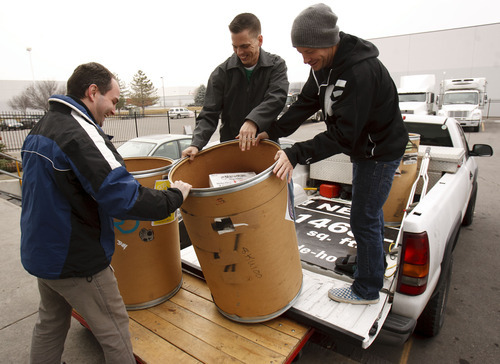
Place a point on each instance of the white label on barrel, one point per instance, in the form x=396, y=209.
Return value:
x=410, y=158
x=226, y=179
x=163, y=185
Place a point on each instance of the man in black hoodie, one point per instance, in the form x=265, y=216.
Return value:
x=361, y=108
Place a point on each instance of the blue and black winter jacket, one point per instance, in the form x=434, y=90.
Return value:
x=74, y=183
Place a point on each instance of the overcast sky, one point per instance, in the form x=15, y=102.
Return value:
x=184, y=40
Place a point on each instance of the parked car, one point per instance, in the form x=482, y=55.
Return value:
x=30, y=121
x=290, y=99
x=180, y=112
x=159, y=145
x=10, y=124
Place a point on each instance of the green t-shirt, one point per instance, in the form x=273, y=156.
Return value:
x=248, y=73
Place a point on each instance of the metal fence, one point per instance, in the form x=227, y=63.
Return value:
x=14, y=127
x=493, y=108
x=121, y=127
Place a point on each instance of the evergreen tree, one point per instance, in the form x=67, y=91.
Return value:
x=199, y=95
x=122, y=102
x=143, y=92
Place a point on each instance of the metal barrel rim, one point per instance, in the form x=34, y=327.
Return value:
x=216, y=191
x=153, y=171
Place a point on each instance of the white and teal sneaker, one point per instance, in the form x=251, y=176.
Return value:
x=346, y=295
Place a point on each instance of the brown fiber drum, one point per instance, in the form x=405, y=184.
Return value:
x=147, y=259
x=242, y=234
x=404, y=178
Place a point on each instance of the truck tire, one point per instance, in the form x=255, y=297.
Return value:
x=469, y=213
x=432, y=318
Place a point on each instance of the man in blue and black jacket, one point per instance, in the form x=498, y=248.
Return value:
x=74, y=183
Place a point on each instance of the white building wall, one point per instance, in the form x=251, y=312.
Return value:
x=454, y=53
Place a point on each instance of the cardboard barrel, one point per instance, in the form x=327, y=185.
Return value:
x=404, y=178
x=242, y=234
x=147, y=261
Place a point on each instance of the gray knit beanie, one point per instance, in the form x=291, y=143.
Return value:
x=315, y=27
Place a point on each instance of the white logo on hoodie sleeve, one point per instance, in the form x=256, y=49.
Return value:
x=332, y=94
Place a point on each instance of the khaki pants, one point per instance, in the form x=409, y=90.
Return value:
x=95, y=298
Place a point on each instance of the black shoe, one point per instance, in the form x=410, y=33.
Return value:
x=349, y=264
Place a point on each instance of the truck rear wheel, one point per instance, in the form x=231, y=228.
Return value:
x=432, y=318
x=469, y=213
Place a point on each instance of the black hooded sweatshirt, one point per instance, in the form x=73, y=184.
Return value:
x=361, y=109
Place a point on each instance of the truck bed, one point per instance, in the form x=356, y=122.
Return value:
x=188, y=329
x=323, y=234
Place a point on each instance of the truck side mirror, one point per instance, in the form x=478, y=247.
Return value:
x=481, y=150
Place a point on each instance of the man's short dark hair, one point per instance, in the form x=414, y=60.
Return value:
x=245, y=21
x=87, y=74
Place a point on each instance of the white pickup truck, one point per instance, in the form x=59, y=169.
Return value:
x=419, y=269
x=419, y=252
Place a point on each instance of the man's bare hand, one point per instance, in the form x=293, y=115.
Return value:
x=183, y=187
x=261, y=136
x=283, y=168
x=247, y=135
x=190, y=152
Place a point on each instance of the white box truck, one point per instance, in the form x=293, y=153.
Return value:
x=464, y=100
x=416, y=94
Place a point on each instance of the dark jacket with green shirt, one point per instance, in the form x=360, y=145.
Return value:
x=235, y=98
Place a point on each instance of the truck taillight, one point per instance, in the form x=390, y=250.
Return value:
x=414, y=269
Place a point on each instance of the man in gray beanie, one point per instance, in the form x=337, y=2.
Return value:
x=315, y=27
x=361, y=109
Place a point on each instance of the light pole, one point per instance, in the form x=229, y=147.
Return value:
x=163, y=88
x=164, y=104
x=31, y=65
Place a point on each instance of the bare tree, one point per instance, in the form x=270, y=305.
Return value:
x=19, y=102
x=36, y=96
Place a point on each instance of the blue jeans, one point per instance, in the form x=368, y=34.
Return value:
x=371, y=184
